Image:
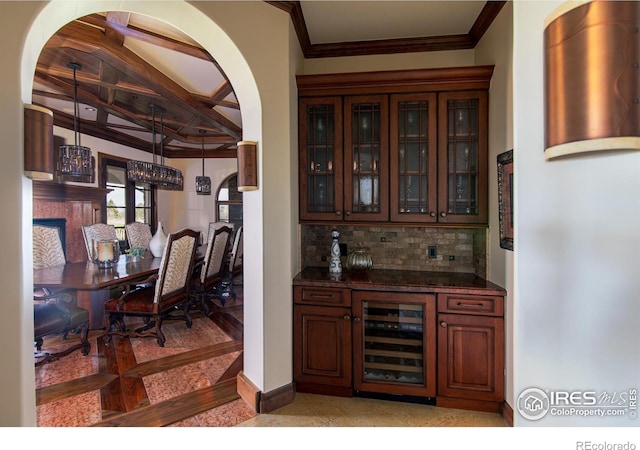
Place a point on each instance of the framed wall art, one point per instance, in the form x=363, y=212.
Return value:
x=505, y=198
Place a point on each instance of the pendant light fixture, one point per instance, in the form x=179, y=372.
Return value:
x=75, y=162
x=203, y=183
x=159, y=175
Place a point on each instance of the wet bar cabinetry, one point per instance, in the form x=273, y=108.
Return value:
x=397, y=146
x=432, y=336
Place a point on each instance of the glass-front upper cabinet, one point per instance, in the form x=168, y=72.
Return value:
x=320, y=137
x=366, y=156
x=462, y=157
x=413, y=158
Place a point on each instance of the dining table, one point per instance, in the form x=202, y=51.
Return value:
x=93, y=285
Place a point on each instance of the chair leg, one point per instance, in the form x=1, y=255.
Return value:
x=84, y=338
x=160, y=336
x=187, y=316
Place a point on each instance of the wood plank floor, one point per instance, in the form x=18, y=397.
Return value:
x=135, y=383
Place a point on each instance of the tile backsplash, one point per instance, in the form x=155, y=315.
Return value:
x=401, y=248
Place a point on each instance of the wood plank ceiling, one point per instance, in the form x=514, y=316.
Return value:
x=130, y=62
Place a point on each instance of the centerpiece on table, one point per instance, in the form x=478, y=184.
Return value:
x=135, y=254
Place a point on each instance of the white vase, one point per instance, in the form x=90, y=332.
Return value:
x=158, y=242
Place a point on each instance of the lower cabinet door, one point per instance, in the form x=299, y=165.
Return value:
x=471, y=357
x=322, y=346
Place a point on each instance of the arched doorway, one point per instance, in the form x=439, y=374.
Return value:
x=201, y=28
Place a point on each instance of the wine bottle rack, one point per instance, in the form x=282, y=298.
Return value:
x=393, y=342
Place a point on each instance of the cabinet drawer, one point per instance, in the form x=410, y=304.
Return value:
x=471, y=304
x=322, y=296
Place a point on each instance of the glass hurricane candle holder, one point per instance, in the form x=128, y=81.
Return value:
x=106, y=253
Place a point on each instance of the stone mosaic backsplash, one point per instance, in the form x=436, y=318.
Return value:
x=401, y=248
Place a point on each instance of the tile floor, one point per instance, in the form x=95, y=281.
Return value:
x=311, y=410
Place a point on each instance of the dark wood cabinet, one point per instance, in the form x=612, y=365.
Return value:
x=462, y=157
x=394, y=343
x=321, y=162
x=369, y=335
x=470, y=347
x=414, y=158
x=406, y=147
x=322, y=341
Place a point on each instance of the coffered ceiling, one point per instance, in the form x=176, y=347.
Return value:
x=130, y=61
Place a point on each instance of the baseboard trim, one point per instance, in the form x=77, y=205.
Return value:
x=507, y=414
x=248, y=391
x=474, y=405
x=272, y=400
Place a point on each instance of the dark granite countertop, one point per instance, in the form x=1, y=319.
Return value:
x=399, y=280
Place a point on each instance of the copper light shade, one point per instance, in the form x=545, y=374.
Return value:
x=38, y=142
x=592, y=78
x=247, y=166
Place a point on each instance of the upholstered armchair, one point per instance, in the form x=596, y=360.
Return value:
x=138, y=235
x=55, y=311
x=161, y=300
x=235, y=261
x=59, y=317
x=47, y=252
x=207, y=277
x=97, y=232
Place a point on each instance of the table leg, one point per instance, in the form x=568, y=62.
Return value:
x=93, y=301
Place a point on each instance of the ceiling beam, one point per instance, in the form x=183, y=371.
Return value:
x=90, y=40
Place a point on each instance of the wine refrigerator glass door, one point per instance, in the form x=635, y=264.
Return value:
x=394, y=343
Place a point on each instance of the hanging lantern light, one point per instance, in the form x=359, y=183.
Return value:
x=159, y=175
x=203, y=183
x=75, y=162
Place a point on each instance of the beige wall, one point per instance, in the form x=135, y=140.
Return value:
x=496, y=48
x=577, y=276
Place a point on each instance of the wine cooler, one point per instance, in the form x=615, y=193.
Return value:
x=395, y=346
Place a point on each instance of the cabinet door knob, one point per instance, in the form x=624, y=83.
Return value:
x=356, y=319
x=443, y=324
x=338, y=213
x=443, y=214
x=432, y=213
x=348, y=213
x=346, y=317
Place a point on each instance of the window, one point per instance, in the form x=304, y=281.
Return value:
x=229, y=202
x=128, y=201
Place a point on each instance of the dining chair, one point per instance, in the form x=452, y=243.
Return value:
x=97, y=232
x=206, y=280
x=213, y=226
x=55, y=310
x=47, y=252
x=235, y=261
x=47, y=247
x=138, y=235
x=60, y=317
x=160, y=301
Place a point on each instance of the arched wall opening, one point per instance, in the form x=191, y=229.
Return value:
x=213, y=38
